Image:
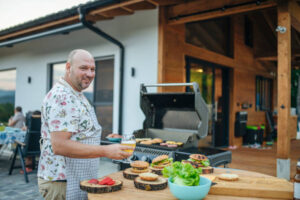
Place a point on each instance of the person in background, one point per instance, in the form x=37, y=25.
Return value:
x=18, y=120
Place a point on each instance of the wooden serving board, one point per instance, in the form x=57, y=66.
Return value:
x=95, y=188
x=128, y=174
x=159, y=184
x=263, y=187
x=156, y=171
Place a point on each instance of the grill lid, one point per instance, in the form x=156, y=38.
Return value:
x=180, y=115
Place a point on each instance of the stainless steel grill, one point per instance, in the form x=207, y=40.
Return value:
x=181, y=117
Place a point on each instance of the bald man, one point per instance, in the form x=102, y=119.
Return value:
x=70, y=148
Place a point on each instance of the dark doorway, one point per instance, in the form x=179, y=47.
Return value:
x=213, y=82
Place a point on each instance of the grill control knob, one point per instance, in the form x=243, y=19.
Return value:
x=146, y=158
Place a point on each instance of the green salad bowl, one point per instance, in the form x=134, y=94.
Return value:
x=190, y=192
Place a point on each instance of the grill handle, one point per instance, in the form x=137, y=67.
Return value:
x=194, y=84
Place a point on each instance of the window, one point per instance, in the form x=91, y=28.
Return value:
x=263, y=93
x=7, y=94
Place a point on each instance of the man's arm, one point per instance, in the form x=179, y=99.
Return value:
x=64, y=146
x=12, y=122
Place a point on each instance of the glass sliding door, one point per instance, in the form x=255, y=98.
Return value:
x=213, y=85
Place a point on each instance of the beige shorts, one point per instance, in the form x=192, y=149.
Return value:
x=52, y=190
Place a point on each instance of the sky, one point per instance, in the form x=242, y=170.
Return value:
x=13, y=12
x=8, y=80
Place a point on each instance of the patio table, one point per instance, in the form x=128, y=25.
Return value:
x=129, y=191
x=9, y=135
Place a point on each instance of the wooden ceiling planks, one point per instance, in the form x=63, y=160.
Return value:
x=178, y=16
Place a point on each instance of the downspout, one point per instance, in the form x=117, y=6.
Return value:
x=82, y=13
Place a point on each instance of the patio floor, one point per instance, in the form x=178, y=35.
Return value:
x=14, y=187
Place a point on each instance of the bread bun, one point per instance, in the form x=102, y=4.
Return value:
x=160, y=158
x=148, y=176
x=139, y=164
x=157, y=140
x=147, y=142
x=229, y=177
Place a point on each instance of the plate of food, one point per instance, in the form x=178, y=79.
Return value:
x=101, y=185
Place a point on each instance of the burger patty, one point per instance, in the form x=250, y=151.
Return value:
x=140, y=168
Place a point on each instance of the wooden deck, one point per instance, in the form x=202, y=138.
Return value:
x=263, y=160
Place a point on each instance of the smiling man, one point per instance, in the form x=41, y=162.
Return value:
x=70, y=148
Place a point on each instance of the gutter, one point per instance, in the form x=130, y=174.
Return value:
x=82, y=13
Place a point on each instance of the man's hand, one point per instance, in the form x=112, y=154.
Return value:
x=115, y=151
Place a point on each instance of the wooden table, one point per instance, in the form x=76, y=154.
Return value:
x=129, y=192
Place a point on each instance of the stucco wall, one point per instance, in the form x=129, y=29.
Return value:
x=138, y=33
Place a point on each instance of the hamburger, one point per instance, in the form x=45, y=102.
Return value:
x=199, y=161
x=161, y=161
x=139, y=166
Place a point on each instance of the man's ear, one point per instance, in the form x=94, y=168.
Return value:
x=68, y=67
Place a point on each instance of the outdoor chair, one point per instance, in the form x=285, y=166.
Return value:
x=272, y=135
x=30, y=147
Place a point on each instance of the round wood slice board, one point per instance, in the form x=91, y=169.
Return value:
x=156, y=171
x=128, y=174
x=207, y=170
x=159, y=184
x=95, y=188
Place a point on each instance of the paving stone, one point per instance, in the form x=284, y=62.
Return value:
x=14, y=187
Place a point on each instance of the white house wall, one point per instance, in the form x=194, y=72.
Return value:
x=138, y=33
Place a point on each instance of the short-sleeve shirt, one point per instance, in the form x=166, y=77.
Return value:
x=19, y=119
x=63, y=110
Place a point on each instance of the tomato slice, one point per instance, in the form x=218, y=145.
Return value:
x=94, y=181
x=105, y=181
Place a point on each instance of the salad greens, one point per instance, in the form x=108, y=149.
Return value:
x=205, y=163
x=182, y=174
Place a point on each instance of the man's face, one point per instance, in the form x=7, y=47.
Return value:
x=82, y=71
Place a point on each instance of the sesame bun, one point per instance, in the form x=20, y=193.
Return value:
x=147, y=142
x=139, y=164
x=157, y=140
x=148, y=176
x=198, y=157
x=160, y=158
x=229, y=177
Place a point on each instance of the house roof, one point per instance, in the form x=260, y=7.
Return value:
x=96, y=10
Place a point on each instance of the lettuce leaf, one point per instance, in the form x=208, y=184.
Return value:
x=183, y=174
x=162, y=161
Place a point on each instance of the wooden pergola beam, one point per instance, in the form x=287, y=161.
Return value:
x=165, y=2
x=284, y=90
x=115, y=6
x=294, y=10
x=220, y=13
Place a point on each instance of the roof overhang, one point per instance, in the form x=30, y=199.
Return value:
x=96, y=11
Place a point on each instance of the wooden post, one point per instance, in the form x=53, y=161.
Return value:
x=284, y=90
